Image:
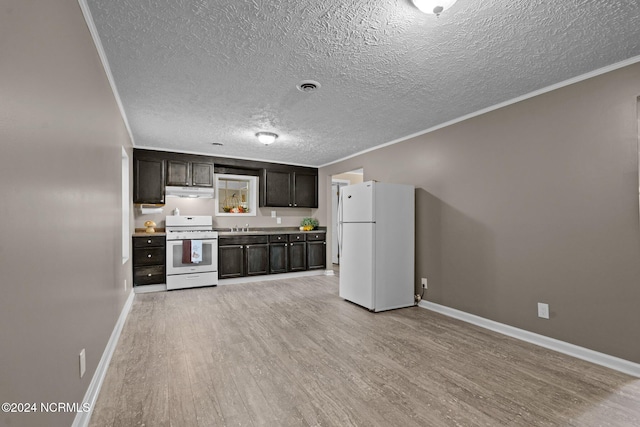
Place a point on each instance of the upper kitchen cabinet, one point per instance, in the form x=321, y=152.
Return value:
x=189, y=171
x=148, y=177
x=294, y=187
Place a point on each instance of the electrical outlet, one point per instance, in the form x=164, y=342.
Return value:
x=424, y=283
x=273, y=214
x=83, y=363
x=278, y=220
x=543, y=310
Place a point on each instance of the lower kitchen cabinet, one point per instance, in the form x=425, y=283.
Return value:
x=297, y=252
x=149, y=260
x=316, y=251
x=257, y=258
x=278, y=253
x=253, y=255
x=230, y=260
x=240, y=256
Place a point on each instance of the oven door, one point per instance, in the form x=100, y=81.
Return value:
x=209, y=258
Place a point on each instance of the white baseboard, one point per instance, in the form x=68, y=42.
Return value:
x=592, y=356
x=150, y=288
x=90, y=397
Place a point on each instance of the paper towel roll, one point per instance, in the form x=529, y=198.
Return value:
x=148, y=210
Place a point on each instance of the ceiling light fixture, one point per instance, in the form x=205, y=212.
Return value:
x=435, y=7
x=308, y=86
x=266, y=137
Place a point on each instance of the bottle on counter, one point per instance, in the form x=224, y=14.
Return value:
x=176, y=212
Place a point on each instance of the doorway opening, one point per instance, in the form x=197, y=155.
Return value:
x=338, y=181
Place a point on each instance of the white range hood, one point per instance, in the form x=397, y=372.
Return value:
x=193, y=192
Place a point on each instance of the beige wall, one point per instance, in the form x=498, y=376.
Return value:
x=534, y=202
x=60, y=179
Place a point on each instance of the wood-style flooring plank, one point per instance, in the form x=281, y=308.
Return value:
x=292, y=353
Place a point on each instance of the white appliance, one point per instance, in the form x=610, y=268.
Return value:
x=377, y=240
x=195, y=192
x=182, y=274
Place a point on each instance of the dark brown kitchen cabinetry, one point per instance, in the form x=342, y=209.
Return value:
x=189, y=171
x=297, y=252
x=240, y=256
x=278, y=253
x=293, y=187
x=253, y=255
x=316, y=251
x=148, y=177
x=149, y=260
x=230, y=260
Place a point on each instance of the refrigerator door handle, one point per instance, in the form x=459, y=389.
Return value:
x=339, y=213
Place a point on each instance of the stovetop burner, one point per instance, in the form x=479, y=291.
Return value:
x=189, y=227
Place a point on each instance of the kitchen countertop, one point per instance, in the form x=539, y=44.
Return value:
x=255, y=231
x=141, y=233
x=260, y=231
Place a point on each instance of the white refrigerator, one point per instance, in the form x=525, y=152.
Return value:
x=376, y=235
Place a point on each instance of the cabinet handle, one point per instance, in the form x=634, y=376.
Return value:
x=324, y=243
x=247, y=246
x=148, y=241
x=149, y=256
x=286, y=244
x=289, y=204
x=241, y=246
x=149, y=275
x=295, y=204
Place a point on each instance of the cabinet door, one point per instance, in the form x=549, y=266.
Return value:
x=257, y=259
x=278, y=257
x=305, y=190
x=230, y=261
x=316, y=255
x=148, y=180
x=178, y=173
x=276, y=189
x=202, y=174
x=297, y=256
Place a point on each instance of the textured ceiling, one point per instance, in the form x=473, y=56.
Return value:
x=195, y=72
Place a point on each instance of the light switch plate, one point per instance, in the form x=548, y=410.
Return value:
x=273, y=214
x=543, y=310
x=278, y=220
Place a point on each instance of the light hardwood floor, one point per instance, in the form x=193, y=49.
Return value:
x=292, y=353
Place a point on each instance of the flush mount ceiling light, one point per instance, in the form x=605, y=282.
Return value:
x=435, y=7
x=308, y=86
x=266, y=137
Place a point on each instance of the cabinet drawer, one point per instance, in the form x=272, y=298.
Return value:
x=148, y=256
x=242, y=240
x=274, y=238
x=316, y=236
x=297, y=237
x=148, y=275
x=144, y=242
